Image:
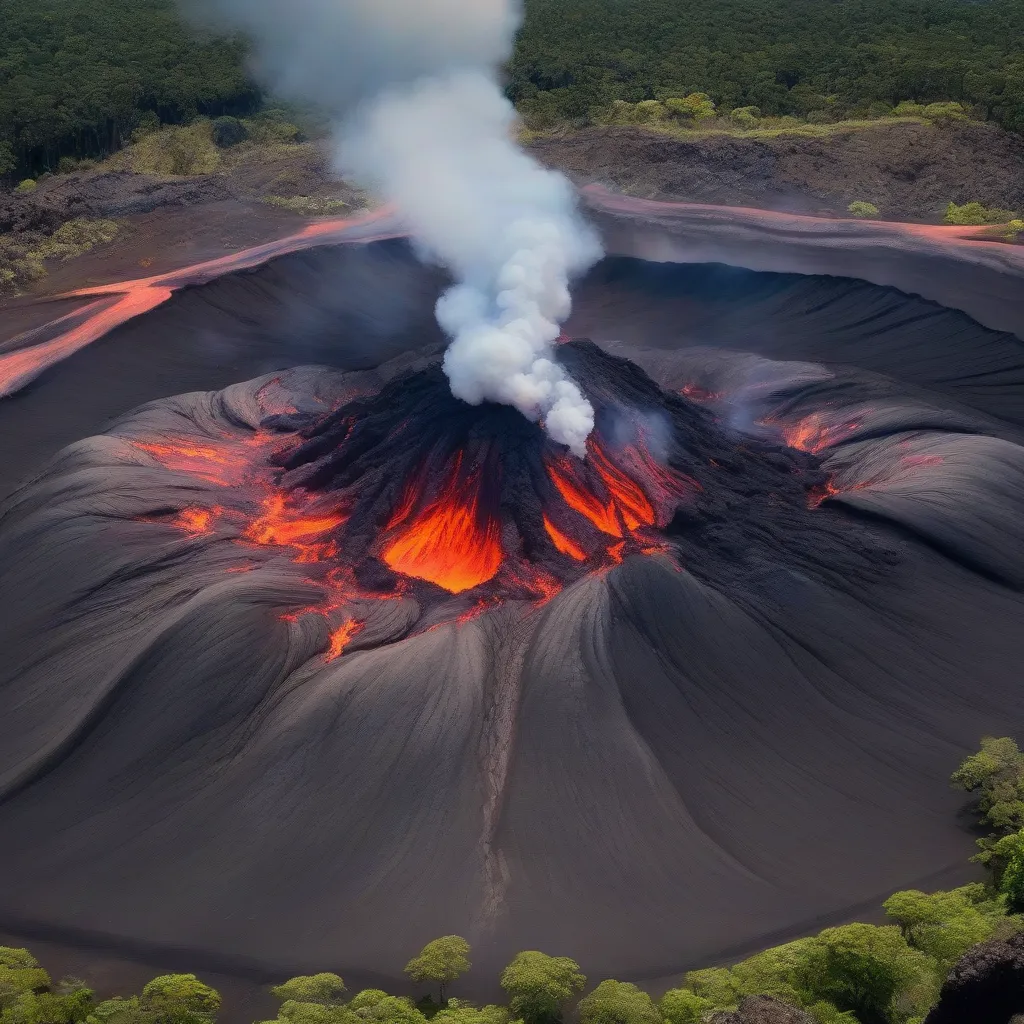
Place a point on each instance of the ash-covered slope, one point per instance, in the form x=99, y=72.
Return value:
x=702, y=689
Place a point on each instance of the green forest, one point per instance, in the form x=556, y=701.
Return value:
x=888, y=973
x=77, y=77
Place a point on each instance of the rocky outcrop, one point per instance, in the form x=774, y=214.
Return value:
x=985, y=987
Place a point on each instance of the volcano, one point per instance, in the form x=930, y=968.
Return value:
x=303, y=671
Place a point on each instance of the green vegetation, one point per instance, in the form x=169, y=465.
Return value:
x=975, y=213
x=309, y=206
x=444, y=960
x=539, y=986
x=851, y=974
x=77, y=77
x=80, y=78
x=862, y=209
x=179, y=150
x=22, y=257
x=817, y=62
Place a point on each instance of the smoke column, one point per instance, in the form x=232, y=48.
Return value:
x=413, y=88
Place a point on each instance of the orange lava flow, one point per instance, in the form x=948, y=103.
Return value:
x=563, y=543
x=636, y=510
x=341, y=638
x=214, y=465
x=813, y=434
x=581, y=500
x=283, y=525
x=447, y=543
x=197, y=521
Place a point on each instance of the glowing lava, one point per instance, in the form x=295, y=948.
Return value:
x=578, y=497
x=564, y=543
x=813, y=434
x=283, y=525
x=197, y=522
x=341, y=638
x=206, y=462
x=450, y=542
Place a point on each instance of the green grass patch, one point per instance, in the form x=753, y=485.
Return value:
x=308, y=206
x=23, y=258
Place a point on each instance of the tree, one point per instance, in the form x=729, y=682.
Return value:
x=392, y=1010
x=180, y=999
x=367, y=999
x=314, y=988
x=681, y=1006
x=617, y=1002
x=20, y=974
x=538, y=985
x=1011, y=882
x=715, y=984
x=458, y=1012
x=443, y=960
x=862, y=968
x=996, y=772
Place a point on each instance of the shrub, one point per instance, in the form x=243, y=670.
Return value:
x=647, y=111
x=681, y=1006
x=179, y=150
x=69, y=165
x=945, y=112
x=745, y=117
x=908, y=108
x=272, y=126
x=697, y=106
x=314, y=988
x=76, y=237
x=310, y=206
x=970, y=214
x=28, y=185
x=228, y=132
x=861, y=209
x=1013, y=229
x=148, y=123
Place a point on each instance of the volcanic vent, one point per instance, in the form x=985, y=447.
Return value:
x=406, y=492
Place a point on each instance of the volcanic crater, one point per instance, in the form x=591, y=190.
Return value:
x=694, y=692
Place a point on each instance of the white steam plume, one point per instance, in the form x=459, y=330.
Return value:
x=421, y=119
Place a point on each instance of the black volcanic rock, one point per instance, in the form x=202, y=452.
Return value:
x=704, y=748
x=986, y=986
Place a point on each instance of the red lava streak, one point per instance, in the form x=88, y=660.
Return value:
x=564, y=543
x=341, y=638
x=285, y=525
x=813, y=434
x=577, y=497
x=450, y=543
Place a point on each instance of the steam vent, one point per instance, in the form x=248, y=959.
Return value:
x=306, y=670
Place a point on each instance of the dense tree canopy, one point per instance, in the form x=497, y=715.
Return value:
x=784, y=56
x=78, y=76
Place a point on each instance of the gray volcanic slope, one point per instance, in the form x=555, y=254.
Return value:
x=675, y=757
